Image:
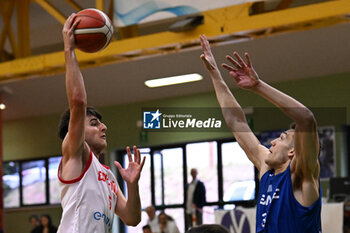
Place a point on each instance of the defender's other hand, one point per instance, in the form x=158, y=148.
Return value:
x=244, y=73
x=207, y=56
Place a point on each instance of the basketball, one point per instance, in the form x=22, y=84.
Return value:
x=94, y=31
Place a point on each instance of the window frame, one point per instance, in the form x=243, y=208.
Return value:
x=118, y=156
x=47, y=182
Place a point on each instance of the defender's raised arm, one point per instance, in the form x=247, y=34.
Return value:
x=232, y=111
x=304, y=152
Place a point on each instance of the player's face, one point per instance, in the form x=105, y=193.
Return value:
x=95, y=133
x=280, y=149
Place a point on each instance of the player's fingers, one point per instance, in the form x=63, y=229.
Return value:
x=248, y=59
x=205, y=45
x=137, y=155
x=143, y=162
x=129, y=154
x=117, y=164
x=70, y=19
x=234, y=62
x=201, y=40
x=240, y=60
x=227, y=67
x=76, y=22
x=206, y=42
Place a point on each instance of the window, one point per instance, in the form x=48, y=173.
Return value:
x=224, y=168
x=34, y=182
x=168, y=167
x=10, y=181
x=203, y=157
x=53, y=180
x=238, y=173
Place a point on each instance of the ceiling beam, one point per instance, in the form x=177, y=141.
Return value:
x=23, y=28
x=7, y=9
x=59, y=16
x=74, y=5
x=100, y=5
x=230, y=22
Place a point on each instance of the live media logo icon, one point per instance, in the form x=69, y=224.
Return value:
x=151, y=120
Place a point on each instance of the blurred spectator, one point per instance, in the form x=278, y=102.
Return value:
x=195, y=200
x=167, y=224
x=46, y=225
x=34, y=222
x=146, y=229
x=152, y=219
x=208, y=228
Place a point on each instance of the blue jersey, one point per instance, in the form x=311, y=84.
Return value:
x=278, y=210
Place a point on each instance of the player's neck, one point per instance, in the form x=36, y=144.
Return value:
x=97, y=153
x=281, y=168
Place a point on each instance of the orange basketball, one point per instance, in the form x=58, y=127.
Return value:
x=94, y=31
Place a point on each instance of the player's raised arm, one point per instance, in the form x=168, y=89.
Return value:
x=305, y=164
x=232, y=111
x=306, y=143
x=73, y=144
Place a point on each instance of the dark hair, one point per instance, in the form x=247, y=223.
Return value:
x=64, y=121
x=146, y=227
x=167, y=216
x=36, y=217
x=208, y=228
x=48, y=218
x=292, y=125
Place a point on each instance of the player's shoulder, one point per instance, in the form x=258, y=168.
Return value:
x=71, y=153
x=260, y=164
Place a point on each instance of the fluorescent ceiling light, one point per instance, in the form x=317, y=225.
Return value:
x=173, y=80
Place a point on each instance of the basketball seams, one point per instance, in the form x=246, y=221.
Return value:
x=108, y=25
x=108, y=34
x=89, y=16
x=93, y=18
x=103, y=30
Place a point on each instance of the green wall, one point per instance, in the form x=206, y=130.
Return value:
x=17, y=220
x=36, y=137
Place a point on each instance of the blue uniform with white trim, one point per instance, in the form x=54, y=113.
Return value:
x=278, y=210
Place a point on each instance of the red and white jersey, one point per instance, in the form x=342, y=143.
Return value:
x=88, y=202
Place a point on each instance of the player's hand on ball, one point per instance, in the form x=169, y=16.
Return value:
x=68, y=31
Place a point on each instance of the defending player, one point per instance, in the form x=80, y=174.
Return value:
x=89, y=191
x=289, y=196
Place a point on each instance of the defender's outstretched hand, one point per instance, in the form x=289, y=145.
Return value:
x=242, y=72
x=131, y=175
x=207, y=56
